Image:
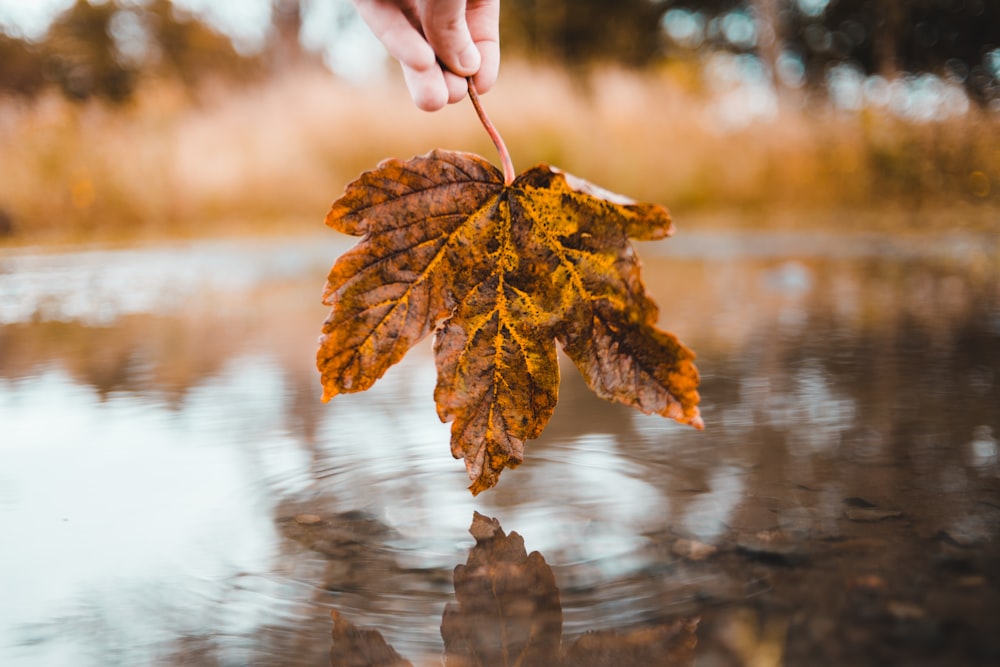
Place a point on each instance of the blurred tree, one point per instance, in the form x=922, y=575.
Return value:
x=21, y=67
x=954, y=38
x=769, y=37
x=184, y=48
x=82, y=57
x=103, y=49
x=284, y=44
x=951, y=38
x=580, y=32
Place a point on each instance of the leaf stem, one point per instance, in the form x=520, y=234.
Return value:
x=508, y=166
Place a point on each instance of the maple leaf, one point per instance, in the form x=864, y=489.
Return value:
x=499, y=268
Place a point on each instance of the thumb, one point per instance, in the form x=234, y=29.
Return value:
x=447, y=32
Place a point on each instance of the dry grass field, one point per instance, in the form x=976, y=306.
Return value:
x=272, y=157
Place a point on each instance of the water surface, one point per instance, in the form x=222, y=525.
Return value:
x=173, y=492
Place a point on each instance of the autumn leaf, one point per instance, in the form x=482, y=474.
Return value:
x=498, y=268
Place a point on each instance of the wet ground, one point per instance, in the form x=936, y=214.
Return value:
x=173, y=492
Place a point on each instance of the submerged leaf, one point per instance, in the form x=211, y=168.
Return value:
x=500, y=272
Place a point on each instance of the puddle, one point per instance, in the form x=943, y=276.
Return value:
x=173, y=492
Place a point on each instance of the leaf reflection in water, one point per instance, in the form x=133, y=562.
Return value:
x=508, y=612
x=361, y=647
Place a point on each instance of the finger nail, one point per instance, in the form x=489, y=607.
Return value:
x=469, y=59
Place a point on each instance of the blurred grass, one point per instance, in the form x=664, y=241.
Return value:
x=273, y=157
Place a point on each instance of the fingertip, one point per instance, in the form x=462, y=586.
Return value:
x=428, y=89
x=429, y=101
x=457, y=87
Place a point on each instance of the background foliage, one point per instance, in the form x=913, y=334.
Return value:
x=136, y=117
x=99, y=48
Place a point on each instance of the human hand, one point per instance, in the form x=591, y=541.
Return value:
x=438, y=43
